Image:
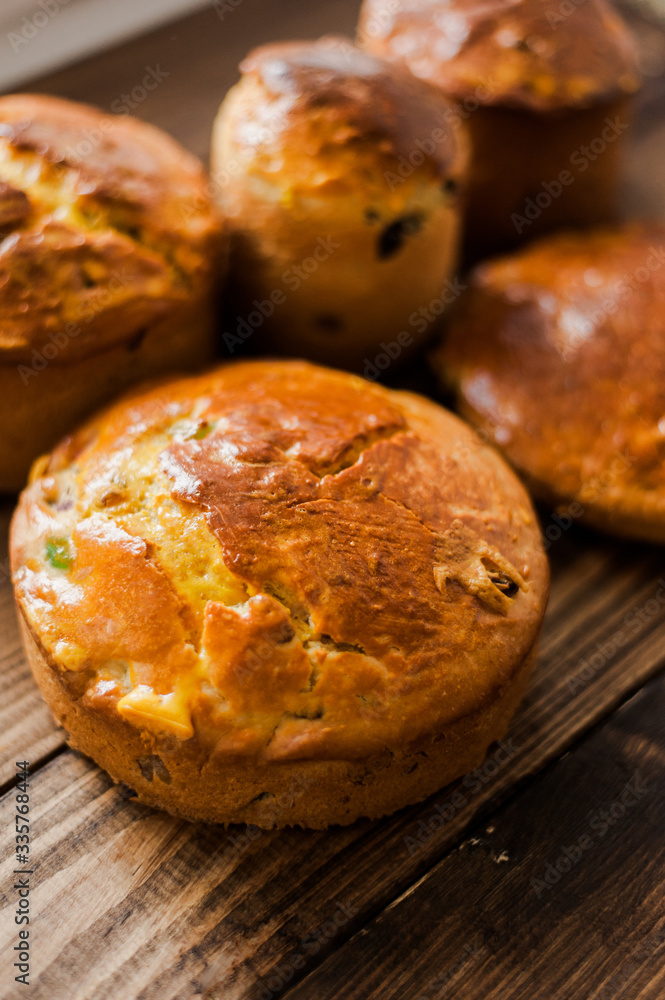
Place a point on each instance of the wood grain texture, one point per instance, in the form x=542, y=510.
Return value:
x=559, y=896
x=132, y=903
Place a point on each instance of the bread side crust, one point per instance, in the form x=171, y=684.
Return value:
x=312, y=794
x=38, y=406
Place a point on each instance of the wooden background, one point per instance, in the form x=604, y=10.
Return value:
x=448, y=898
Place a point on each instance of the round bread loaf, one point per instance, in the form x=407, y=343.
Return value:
x=110, y=253
x=277, y=594
x=341, y=180
x=558, y=354
x=544, y=93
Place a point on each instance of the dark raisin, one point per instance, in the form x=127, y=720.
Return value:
x=391, y=239
x=503, y=583
x=153, y=766
x=329, y=323
x=261, y=797
x=450, y=186
x=137, y=340
x=161, y=770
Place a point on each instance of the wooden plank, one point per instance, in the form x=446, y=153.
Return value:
x=560, y=896
x=133, y=903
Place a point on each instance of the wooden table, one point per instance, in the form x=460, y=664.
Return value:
x=541, y=876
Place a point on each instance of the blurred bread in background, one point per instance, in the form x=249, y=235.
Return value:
x=341, y=179
x=557, y=354
x=545, y=91
x=111, y=254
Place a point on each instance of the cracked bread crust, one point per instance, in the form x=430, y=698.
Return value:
x=110, y=248
x=516, y=53
x=86, y=197
x=275, y=565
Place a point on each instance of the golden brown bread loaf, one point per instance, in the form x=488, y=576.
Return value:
x=278, y=594
x=110, y=252
x=558, y=354
x=543, y=91
x=341, y=180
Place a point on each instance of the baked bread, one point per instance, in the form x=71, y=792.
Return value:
x=558, y=354
x=341, y=181
x=278, y=594
x=110, y=254
x=544, y=92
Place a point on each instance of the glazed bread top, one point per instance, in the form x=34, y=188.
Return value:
x=522, y=53
x=281, y=560
x=559, y=353
x=105, y=224
x=323, y=118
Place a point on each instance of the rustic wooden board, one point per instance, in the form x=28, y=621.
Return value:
x=128, y=903
x=567, y=904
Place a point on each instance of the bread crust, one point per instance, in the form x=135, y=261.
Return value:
x=530, y=174
x=187, y=782
x=277, y=569
x=341, y=178
x=506, y=53
x=546, y=98
x=109, y=243
x=556, y=354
